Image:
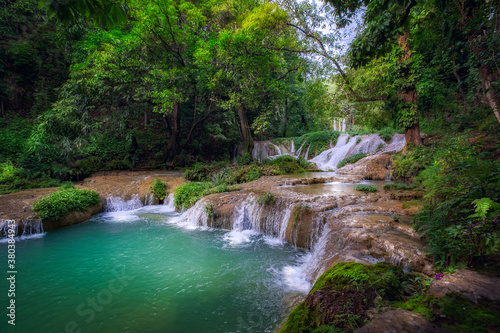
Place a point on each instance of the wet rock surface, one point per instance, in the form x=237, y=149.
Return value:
x=472, y=285
x=400, y=321
x=17, y=206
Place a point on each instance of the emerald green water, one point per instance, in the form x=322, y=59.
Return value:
x=137, y=272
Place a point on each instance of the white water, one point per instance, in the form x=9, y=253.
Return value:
x=330, y=158
x=117, y=204
x=348, y=146
x=31, y=229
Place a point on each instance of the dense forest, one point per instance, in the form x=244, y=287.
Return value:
x=93, y=85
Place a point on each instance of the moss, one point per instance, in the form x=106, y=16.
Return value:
x=302, y=319
x=341, y=296
x=384, y=277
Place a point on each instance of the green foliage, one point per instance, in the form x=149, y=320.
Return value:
x=266, y=198
x=460, y=208
x=209, y=209
x=387, y=133
x=159, y=189
x=351, y=159
x=186, y=195
x=66, y=186
x=118, y=165
x=397, y=186
x=366, y=188
x=244, y=160
x=287, y=164
x=58, y=204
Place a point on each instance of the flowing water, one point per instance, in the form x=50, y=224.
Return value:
x=142, y=271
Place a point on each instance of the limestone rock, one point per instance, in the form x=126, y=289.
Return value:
x=400, y=321
x=374, y=167
x=471, y=285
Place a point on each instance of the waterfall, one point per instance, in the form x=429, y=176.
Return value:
x=343, y=125
x=293, y=147
x=30, y=229
x=334, y=124
x=194, y=218
x=369, y=143
x=396, y=144
x=278, y=150
x=330, y=158
x=300, y=149
x=117, y=204
x=169, y=201
x=307, y=152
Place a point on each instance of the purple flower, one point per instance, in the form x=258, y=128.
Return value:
x=438, y=277
x=467, y=184
x=467, y=230
x=445, y=264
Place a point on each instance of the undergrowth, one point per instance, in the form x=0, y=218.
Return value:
x=58, y=204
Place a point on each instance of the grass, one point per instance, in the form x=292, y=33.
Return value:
x=58, y=204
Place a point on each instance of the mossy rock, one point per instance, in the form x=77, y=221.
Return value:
x=343, y=294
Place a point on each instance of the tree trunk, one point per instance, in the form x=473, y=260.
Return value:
x=170, y=151
x=285, y=122
x=245, y=130
x=409, y=95
x=491, y=99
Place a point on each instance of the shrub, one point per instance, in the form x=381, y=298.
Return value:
x=159, y=189
x=287, y=164
x=351, y=159
x=387, y=133
x=366, y=188
x=188, y=194
x=58, y=204
x=266, y=198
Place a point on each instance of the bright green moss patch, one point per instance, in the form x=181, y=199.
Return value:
x=351, y=159
x=58, y=204
x=339, y=299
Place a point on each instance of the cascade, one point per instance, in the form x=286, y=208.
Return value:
x=278, y=150
x=169, y=202
x=343, y=125
x=368, y=144
x=32, y=228
x=300, y=149
x=331, y=157
x=117, y=204
x=293, y=147
x=307, y=152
